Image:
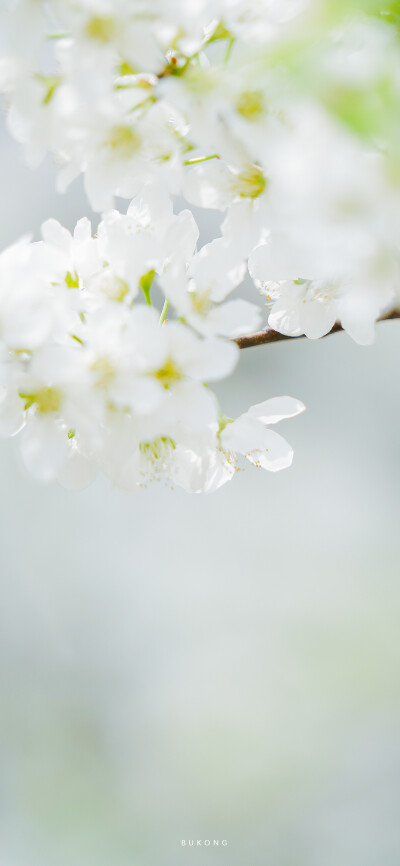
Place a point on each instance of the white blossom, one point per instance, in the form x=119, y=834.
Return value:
x=91, y=377
x=250, y=436
x=200, y=290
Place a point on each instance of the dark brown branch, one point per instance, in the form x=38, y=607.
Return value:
x=267, y=335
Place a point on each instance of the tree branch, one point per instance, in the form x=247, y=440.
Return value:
x=268, y=335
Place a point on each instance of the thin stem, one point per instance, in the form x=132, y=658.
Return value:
x=268, y=335
x=201, y=159
x=229, y=49
x=164, y=311
x=57, y=35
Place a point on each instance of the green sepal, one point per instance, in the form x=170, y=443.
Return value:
x=145, y=284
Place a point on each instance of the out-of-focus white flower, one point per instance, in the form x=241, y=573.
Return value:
x=120, y=147
x=243, y=190
x=302, y=305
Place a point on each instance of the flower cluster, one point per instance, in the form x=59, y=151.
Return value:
x=281, y=114
x=91, y=378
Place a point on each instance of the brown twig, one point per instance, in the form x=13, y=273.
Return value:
x=268, y=335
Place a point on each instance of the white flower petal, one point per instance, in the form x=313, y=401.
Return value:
x=44, y=448
x=245, y=225
x=200, y=473
x=276, y=409
x=215, y=359
x=208, y=185
x=217, y=269
x=54, y=233
x=191, y=407
x=244, y=435
x=276, y=261
x=83, y=230
x=261, y=446
x=182, y=235
x=234, y=319
x=358, y=320
x=276, y=455
x=286, y=319
x=11, y=414
x=317, y=318
x=77, y=473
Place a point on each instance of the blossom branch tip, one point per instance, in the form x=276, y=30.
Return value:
x=268, y=335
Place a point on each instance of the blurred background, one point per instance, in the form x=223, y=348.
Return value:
x=223, y=667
